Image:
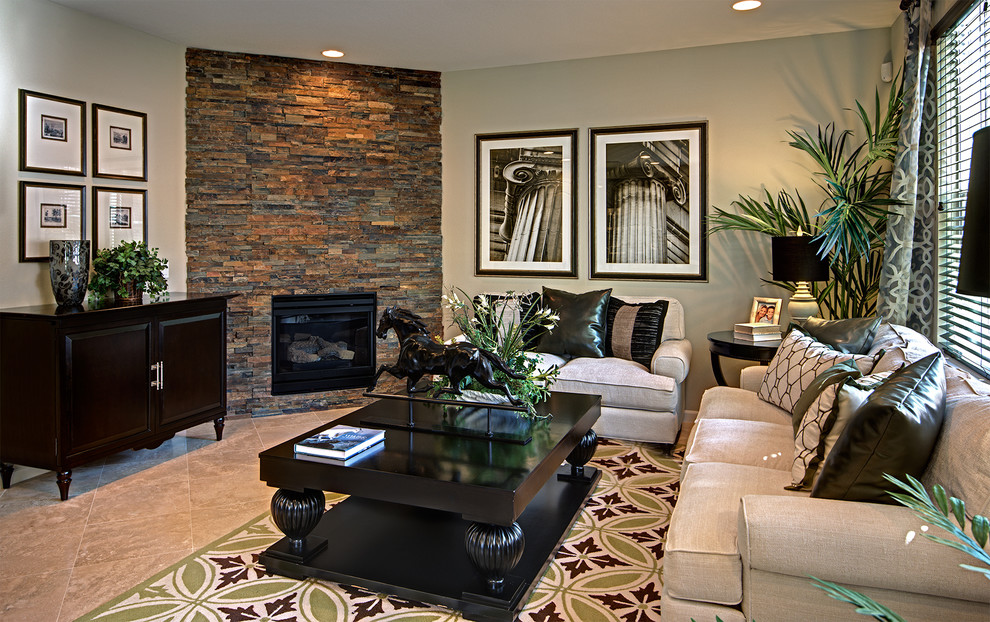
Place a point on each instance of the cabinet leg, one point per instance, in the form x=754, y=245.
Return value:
x=584, y=452
x=6, y=471
x=494, y=550
x=218, y=426
x=63, y=479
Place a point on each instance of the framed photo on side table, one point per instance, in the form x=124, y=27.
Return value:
x=52, y=134
x=648, y=202
x=120, y=143
x=119, y=215
x=526, y=217
x=49, y=212
x=765, y=311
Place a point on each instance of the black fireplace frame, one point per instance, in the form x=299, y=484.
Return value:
x=288, y=383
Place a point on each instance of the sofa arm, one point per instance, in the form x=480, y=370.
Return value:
x=750, y=378
x=672, y=359
x=855, y=544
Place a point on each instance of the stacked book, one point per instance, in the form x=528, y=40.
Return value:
x=340, y=442
x=757, y=331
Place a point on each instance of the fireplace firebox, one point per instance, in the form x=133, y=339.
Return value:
x=322, y=342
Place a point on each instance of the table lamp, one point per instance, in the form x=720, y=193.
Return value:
x=974, y=259
x=795, y=259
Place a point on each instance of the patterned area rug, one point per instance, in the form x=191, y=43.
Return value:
x=610, y=567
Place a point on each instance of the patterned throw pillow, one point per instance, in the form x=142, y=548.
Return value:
x=633, y=331
x=824, y=421
x=798, y=361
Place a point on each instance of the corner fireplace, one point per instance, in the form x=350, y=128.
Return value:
x=322, y=342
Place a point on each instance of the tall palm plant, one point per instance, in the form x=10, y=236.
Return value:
x=851, y=223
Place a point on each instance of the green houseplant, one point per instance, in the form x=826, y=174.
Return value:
x=506, y=326
x=851, y=224
x=126, y=271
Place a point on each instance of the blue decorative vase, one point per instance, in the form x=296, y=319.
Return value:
x=69, y=268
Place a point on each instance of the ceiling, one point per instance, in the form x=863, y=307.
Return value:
x=451, y=35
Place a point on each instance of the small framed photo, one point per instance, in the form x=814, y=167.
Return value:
x=119, y=215
x=49, y=212
x=648, y=202
x=526, y=200
x=765, y=311
x=120, y=143
x=52, y=131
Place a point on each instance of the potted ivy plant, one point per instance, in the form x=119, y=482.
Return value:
x=127, y=271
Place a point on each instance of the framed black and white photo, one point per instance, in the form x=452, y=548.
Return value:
x=52, y=134
x=526, y=216
x=119, y=215
x=648, y=202
x=120, y=143
x=49, y=212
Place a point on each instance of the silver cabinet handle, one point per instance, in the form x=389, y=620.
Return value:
x=157, y=382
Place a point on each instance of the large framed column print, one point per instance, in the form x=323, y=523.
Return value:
x=648, y=202
x=526, y=204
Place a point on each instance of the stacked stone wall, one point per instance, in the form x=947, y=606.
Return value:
x=308, y=177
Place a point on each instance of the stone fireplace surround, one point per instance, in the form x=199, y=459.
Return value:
x=308, y=177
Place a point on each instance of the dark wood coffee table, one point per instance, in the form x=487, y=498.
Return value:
x=467, y=523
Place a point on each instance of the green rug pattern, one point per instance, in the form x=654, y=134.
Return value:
x=609, y=568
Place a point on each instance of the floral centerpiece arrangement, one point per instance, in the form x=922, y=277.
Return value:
x=506, y=325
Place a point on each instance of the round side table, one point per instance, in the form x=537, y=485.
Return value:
x=724, y=343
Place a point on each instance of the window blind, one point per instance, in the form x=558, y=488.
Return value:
x=962, y=53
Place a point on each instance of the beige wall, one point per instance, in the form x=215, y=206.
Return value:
x=749, y=93
x=48, y=48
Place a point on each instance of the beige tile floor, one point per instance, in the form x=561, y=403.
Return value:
x=131, y=515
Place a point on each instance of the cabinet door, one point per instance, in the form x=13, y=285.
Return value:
x=108, y=385
x=193, y=354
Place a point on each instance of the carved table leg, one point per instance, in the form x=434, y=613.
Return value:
x=494, y=550
x=63, y=479
x=297, y=514
x=218, y=426
x=6, y=471
x=581, y=454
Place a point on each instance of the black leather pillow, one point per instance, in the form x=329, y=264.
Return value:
x=893, y=432
x=581, y=329
x=852, y=336
x=633, y=331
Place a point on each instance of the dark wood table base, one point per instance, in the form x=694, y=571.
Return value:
x=420, y=554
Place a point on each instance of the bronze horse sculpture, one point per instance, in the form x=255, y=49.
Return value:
x=420, y=355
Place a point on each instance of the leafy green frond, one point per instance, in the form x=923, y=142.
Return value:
x=864, y=604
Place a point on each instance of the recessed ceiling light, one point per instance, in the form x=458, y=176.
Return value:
x=332, y=53
x=747, y=5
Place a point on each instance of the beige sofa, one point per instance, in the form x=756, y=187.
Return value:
x=742, y=548
x=637, y=403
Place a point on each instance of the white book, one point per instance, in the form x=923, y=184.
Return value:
x=340, y=442
x=758, y=328
x=766, y=337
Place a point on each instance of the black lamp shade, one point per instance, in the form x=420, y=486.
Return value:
x=974, y=261
x=795, y=258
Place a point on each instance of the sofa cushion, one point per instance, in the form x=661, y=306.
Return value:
x=797, y=362
x=960, y=462
x=632, y=331
x=581, y=329
x=701, y=556
x=755, y=443
x=893, y=433
x=899, y=344
x=852, y=335
x=621, y=383
x=736, y=403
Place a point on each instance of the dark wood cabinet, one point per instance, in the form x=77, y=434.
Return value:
x=78, y=386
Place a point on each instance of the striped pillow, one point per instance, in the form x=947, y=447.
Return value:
x=633, y=331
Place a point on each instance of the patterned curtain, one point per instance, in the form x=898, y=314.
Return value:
x=907, y=282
